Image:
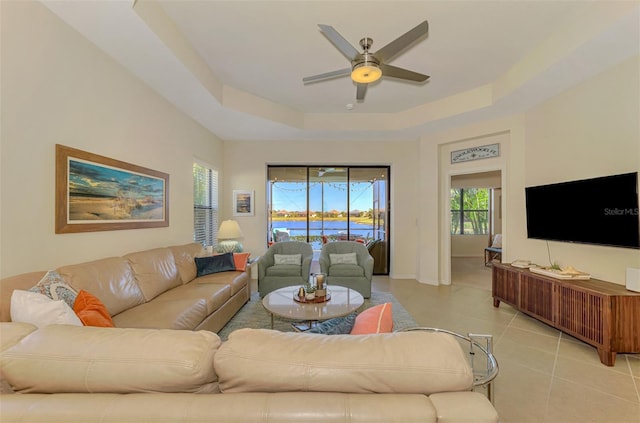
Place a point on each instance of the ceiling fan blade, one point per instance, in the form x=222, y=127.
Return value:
x=396, y=72
x=396, y=46
x=361, y=91
x=327, y=75
x=338, y=40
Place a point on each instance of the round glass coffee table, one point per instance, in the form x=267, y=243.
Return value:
x=281, y=303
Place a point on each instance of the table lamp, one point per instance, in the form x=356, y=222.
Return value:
x=228, y=235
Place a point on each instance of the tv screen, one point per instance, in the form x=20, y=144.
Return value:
x=602, y=211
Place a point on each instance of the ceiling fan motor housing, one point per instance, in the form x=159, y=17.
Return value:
x=365, y=59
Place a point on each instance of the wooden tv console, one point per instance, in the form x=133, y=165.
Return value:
x=602, y=314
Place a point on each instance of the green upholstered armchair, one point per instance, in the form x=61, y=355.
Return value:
x=342, y=270
x=287, y=270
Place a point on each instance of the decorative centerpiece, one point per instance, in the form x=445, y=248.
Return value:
x=310, y=293
x=321, y=288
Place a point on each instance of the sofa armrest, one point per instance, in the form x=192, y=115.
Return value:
x=367, y=265
x=324, y=260
x=8, y=285
x=463, y=407
x=265, y=261
x=305, y=269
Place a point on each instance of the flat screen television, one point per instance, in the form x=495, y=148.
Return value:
x=601, y=211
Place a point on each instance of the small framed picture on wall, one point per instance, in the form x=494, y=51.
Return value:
x=243, y=203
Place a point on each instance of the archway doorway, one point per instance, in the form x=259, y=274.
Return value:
x=475, y=218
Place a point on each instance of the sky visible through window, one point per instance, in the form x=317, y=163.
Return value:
x=291, y=196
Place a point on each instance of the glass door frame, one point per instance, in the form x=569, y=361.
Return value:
x=303, y=174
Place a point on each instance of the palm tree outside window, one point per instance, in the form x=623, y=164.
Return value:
x=469, y=211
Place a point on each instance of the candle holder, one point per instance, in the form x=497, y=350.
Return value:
x=320, y=280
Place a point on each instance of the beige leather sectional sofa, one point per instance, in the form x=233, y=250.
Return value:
x=65, y=373
x=156, y=288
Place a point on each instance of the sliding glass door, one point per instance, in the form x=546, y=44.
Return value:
x=320, y=204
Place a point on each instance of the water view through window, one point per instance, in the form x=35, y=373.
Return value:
x=320, y=204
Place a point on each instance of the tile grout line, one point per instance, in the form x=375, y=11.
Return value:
x=633, y=379
x=553, y=372
x=513, y=318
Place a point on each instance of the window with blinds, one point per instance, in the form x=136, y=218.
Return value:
x=205, y=204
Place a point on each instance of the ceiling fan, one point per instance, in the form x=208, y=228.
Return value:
x=323, y=170
x=367, y=67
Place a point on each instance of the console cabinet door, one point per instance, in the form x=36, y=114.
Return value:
x=505, y=286
x=537, y=297
x=583, y=314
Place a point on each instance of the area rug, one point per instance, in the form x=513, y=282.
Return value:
x=254, y=315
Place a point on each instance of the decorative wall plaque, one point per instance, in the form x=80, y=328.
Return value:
x=475, y=153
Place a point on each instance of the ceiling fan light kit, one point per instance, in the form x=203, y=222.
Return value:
x=369, y=67
x=366, y=73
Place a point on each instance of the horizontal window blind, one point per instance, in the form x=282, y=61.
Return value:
x=205, y=204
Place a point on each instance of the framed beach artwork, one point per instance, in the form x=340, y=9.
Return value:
x=96, y=193
x=243, y=203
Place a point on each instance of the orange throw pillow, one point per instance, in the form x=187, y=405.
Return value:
x=91, y=311
x=377, y=319
x=240, y=260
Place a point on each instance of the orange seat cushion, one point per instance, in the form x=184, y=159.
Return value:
x=376, y=319
x=91, y=311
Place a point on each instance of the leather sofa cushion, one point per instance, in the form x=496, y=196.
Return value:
x=236, y=280
x=111, y=280
x=185, y=313
x=64, y=358
x=12, y=333
x=286, y=407
x=460, y=406
x=155, y=271
x=260, y=360
x=185, y=255
x=214, y=295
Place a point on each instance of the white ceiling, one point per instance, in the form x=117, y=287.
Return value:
x=236, y=67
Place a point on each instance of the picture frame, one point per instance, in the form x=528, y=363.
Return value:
x=97, y=193
x=243, y=203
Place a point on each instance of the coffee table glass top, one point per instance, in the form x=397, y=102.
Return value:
x=343, y=301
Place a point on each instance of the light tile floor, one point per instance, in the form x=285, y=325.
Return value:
x=545, y=376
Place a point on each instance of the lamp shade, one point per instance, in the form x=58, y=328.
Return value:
x=228, y=232
x=229, y=229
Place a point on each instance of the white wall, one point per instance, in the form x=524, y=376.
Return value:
x=245, y=168
x=468, y=245
x=58, y=88
x=590, y=130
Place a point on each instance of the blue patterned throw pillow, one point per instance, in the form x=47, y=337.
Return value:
x=55, y=287
x=336, y=326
